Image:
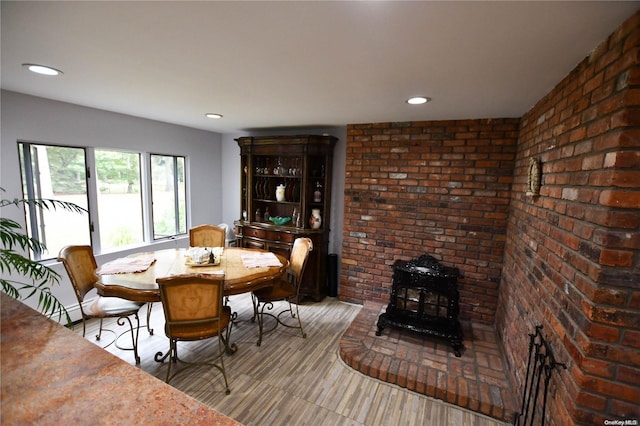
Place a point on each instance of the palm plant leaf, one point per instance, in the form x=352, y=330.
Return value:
x=44, y=203
x=11, y=237
x=41, y=277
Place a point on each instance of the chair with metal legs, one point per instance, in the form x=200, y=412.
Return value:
x=81, y=266
x=286, y=289
x=194, y=311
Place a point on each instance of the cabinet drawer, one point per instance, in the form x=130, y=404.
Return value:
x=264, y=234
x=256, y=233
x=281, y=236
x=253, y=244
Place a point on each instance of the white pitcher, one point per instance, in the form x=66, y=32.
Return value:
x=280, y=192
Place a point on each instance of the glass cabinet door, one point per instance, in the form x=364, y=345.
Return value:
x=276, y=190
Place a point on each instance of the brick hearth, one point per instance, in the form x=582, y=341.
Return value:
x=477, y=380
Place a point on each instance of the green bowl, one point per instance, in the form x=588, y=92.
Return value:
x=279, y=220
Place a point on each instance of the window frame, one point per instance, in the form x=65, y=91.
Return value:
x=143, y=229
x=175, y=157
x=32, y=223
x=26, y=171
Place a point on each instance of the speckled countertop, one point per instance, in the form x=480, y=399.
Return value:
x=50, y=375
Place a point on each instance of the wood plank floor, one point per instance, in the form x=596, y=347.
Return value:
x=289, y=380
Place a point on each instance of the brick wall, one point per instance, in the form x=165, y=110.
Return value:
x=572, y=258
x=440, y=188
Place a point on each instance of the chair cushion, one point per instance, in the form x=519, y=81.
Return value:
x=281, y=290
x=198, y=331
x=111, y=306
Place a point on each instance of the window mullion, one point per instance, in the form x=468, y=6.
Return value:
x=31, y=195
x=145, y=183
x=92, y=196
x=176, y=194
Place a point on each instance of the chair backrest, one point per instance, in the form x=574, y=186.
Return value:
x=207, y=236
x=298, y=258
x=192, y=305
x=81, y=267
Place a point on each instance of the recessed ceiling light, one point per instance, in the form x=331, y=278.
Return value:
x=42, y=69
x=213, y=115
x=417, y=100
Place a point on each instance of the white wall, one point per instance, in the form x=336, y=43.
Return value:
x=33, y=119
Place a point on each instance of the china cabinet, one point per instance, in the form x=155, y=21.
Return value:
x=284, y=180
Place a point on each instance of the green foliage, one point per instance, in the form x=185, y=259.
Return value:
x=121, y=236
x=165, y=226
x=67, y=168
x=116, y=167
x=41, y=277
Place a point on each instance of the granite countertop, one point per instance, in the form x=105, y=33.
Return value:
x=50, y=375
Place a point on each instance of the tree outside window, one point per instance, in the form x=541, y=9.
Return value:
x=168, y=191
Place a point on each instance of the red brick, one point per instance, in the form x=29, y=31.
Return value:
x=629, y=374
x=610, y=296
x=622, y=159
x=463, y=393
x=610, y=315
x=623, y=118
x=441, y=391
x=626, y=410
x=617, y=239
x=626, y=179
x=593, y=162
x=613, y=389
x=603, y=332
x=616, y=258
x=485, y=397
x=432, y=383
x=632, y=338
x=595, y=402
x=598, y=367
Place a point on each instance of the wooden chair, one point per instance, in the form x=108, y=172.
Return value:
x=207, y=236
x=81, y=267
x=194, y=311
x=286, y=289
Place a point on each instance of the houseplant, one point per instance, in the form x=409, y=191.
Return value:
x=41, y=278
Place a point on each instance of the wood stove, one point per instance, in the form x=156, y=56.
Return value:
x=424, y=298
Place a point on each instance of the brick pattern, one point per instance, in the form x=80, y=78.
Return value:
x=476, y=381
x=440, y=188
x=572, y=258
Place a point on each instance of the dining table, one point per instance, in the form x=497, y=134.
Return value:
x=240, y=275
x=244, y=270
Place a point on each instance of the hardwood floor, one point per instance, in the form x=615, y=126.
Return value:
x=289, y=380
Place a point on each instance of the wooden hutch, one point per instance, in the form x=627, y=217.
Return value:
x=299, y=168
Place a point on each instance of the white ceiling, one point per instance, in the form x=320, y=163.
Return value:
x=294, y=64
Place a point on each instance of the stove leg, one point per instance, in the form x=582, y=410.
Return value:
x=381, y=324
x=456, y=349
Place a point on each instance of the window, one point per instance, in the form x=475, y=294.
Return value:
x=119, y=198
x=55, y=172
x=113, y=186
x=168, y=191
